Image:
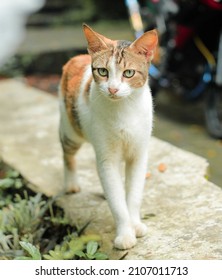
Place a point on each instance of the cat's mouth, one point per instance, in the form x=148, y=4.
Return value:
x=115, y=97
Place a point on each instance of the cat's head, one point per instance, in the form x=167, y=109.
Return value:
x=119, y=67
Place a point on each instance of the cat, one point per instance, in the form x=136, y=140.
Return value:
x=105, y=99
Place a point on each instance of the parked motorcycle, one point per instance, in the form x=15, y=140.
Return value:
x=190, y=62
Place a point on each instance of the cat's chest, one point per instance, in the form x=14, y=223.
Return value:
x=128, y=126
x=118, y=122
x=125, y=128
x=127, y=137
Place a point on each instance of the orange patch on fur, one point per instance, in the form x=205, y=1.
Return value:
x=87, y=89
x=73, y=72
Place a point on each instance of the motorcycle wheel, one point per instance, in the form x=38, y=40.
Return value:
x=213, y=111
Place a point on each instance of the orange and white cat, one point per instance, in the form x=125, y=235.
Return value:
x=105, y=100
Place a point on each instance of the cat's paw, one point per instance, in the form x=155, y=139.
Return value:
x=71, y=183
x=140, y=229
x=72, y=188
x=124, y=242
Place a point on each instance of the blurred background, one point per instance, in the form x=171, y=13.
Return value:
x=54, y=34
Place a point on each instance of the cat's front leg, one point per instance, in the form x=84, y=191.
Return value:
x=110, y=176
x=135, y=180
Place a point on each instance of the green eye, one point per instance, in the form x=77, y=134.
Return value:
x=103, y=72
x=128, y=73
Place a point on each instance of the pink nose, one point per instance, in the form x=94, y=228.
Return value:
x=113, y=90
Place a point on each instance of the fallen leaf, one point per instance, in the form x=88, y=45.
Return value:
x=162, y=167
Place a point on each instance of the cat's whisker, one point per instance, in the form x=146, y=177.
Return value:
x=98, y=96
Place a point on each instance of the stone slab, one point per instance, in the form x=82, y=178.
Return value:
x=181, y=208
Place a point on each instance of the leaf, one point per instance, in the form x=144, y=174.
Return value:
x=80, y=254
x=100, y=256
x=6, y=183
x=68, y=255
x=18, y=183
x=90, y=237
x=76, y=245
x=67, y=250
x=23, y=258
x=48, y=257
x=12, y=174
x=54, y=255
x=89, y=256
x=162, y=167
x=91, y=247
x=148, y=216
x=31, y=249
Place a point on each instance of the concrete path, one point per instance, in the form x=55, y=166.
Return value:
x=181, y=208
x=40, y=40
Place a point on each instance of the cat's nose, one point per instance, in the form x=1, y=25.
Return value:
x=113, y=90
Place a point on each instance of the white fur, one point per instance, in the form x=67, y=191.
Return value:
x=119, y=131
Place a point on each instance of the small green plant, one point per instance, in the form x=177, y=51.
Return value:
x=32, y=227
x=21, y=220
x=92, y=252
x=83, y=247
x=31, y=250
x=10, y=183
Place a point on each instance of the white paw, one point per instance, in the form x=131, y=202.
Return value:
x=72, y=188
x=140, y=229
x=71, y=184
x=124, y=242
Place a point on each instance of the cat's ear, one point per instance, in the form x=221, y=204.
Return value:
x=146, y=44
x=96, y=41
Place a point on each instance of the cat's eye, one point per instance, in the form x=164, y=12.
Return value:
x=103, y=72
x=128, y=73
